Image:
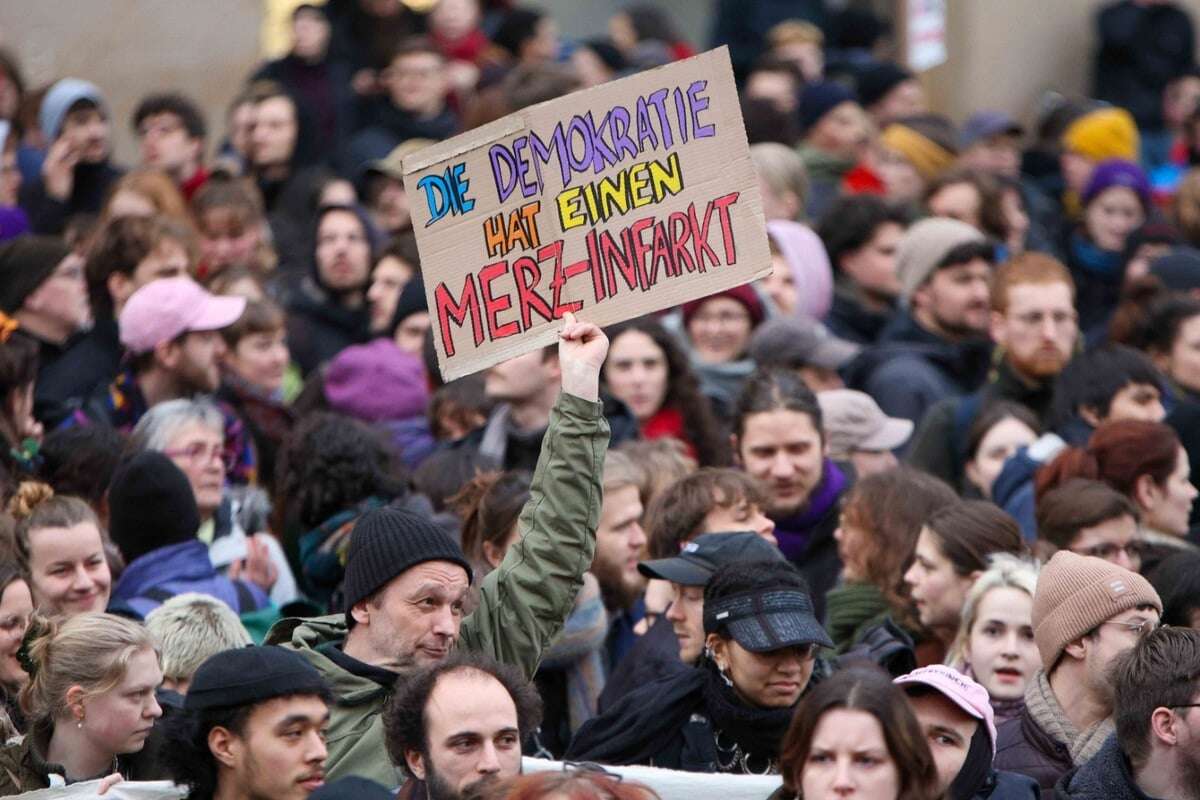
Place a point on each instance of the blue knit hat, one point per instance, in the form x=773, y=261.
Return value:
x=1116, y=172
x=58, y=102
x=818, y=99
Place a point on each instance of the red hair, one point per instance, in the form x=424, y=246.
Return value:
x=1118, y=454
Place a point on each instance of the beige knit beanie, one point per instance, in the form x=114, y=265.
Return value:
x=1076, y=593
x=924, y=245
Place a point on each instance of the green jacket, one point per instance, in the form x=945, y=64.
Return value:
x=523, y=603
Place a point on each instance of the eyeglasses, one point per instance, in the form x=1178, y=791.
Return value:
x=1109, y=550
x=201, y=453
x=1139, y=629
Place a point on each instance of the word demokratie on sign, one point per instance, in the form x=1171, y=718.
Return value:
x=610, y=203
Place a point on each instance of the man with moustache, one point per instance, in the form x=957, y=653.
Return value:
x=1034, y=324
x=936, y=346
x=76, y=175
x=456, y=730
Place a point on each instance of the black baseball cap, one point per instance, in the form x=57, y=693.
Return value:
x=766, y=620
x=702, y=556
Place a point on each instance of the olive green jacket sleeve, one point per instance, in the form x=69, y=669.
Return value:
x=525, y=602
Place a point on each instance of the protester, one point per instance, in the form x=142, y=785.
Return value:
x=581, y=784
x=396, y=558
x=391, y=273
x=782, y=181
x=881, y=518
x=834, y=129
x=728, y=714
x=189, y=628
x=466, y=695
x=61, y=551
x=620, y=540
x=862, y=234
x=253, y=724
x=76, y=173
x=1154, y=695
x=16, y=609
x=855, y=736
x=779, y=439
x=995, y=644
x=255, y=378
x=995, y=435
x=171, y=133
x=801, y=283
x=171, y=328
x=648, y=372
x=951, y=552
x=1086, y=612
x=859, y=433
x=232, y=228
x=958, y=722
x=1092, y=519
x=935, y=346
x=1033, y=326
x=718, y=330
x=90, y=701
x=19, y=430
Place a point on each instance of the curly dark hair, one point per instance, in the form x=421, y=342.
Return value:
x=328, y=464
x=683, y=393
x=404, y=722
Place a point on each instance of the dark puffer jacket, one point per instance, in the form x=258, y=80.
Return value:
x=1022, y=746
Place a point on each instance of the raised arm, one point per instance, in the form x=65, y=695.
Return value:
x=526, y=601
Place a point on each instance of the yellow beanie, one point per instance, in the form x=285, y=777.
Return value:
x=1102, y=134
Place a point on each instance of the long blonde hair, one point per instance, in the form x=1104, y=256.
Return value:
x=88, y=650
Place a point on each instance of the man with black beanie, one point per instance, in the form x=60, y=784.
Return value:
x=406, y=581
x=153, y=521
x=253, y=725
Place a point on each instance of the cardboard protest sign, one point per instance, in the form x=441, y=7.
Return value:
x=611, y=202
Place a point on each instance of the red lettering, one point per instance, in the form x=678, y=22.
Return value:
x=612, y=255
x=448, y=309
x=700, y=237
x=680, y=255
x=527, y=276
x=661, y=253
x=638, y=249
x=492, y=306
x=570, y=271
x=722, y=205
x=596, y=265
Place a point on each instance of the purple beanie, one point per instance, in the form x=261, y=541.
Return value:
x=377, y=381
x=1117, y=172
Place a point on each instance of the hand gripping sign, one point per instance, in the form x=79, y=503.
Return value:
x=611, y=202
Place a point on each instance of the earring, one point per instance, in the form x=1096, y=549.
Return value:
x=724, y=676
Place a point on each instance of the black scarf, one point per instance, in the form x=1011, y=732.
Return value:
x=758, y=732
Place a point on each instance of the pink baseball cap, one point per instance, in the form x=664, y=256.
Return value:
x=169, y=307
x=958, y=689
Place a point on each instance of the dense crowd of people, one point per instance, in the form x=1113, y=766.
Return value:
x=912, y=517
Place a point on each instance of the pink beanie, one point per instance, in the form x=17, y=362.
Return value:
x=804, y=252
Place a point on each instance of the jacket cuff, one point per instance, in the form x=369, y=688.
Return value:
x=578, y=408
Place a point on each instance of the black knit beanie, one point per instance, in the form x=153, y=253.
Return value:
x=385, y=543
x=25, y=263
x=150, y=505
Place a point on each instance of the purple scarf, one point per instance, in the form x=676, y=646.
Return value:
x=794, y=532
